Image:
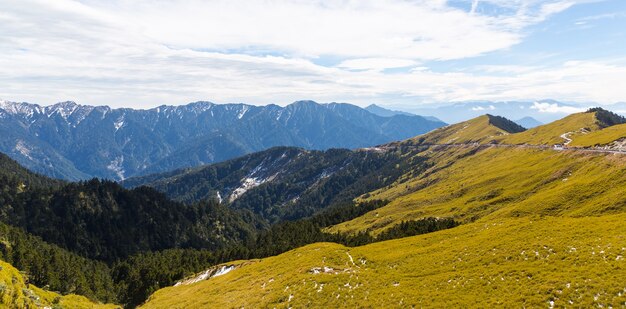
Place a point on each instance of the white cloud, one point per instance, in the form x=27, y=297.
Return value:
x=508, y=69
x=481, y=108
x=376, y=64
x=146, y=53
x=474, y=6
x=544, y=107
x=602, y=16
x=422, y=29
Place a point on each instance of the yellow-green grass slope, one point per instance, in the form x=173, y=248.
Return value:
x=574, y=126
x=602, y=137
x=480, y=129
x=513, y=262
x=579, y=127
x=15, y=292
x=480, y=184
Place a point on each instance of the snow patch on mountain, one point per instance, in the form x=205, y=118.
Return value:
x=80, y=114
x=22, y=148
x=119, y=123
x=243, y=111
x=116, y=167
x=200, y=107
x=246, y=184
x=266, y=171
x=23, y=109
x=63, y=109
x=207, y=274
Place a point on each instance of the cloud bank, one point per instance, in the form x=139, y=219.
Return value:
x=146, y=53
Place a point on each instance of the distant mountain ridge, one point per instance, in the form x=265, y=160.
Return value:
x=381, y=111
x=72, y=141
x=528, y=122
x=384, y=112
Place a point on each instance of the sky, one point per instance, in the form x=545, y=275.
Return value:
x=395, y=53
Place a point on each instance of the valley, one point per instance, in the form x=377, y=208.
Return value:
x=484, y=206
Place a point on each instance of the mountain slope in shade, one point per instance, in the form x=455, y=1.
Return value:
x=528, y=122
x=282, y=183
x=501, y=263
x=73, y=141
x=102, y=220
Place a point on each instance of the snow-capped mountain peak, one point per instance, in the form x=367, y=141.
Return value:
x=69, y=109
x=65, y=109
x=16, y=108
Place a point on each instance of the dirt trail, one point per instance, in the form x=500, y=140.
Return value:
x=524, y=146
x=565, y=136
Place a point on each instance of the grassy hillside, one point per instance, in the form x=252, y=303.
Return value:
x=527, y=262
x=469, y=184
x=575, y=126
x=603, y=137
x=15, y=292
x=549, y=134
x=481, y=129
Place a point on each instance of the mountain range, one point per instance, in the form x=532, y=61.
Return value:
x=72, y=141
x=479, y=213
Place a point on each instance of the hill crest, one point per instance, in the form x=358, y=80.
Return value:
x=564, y=130
x=482, y=129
